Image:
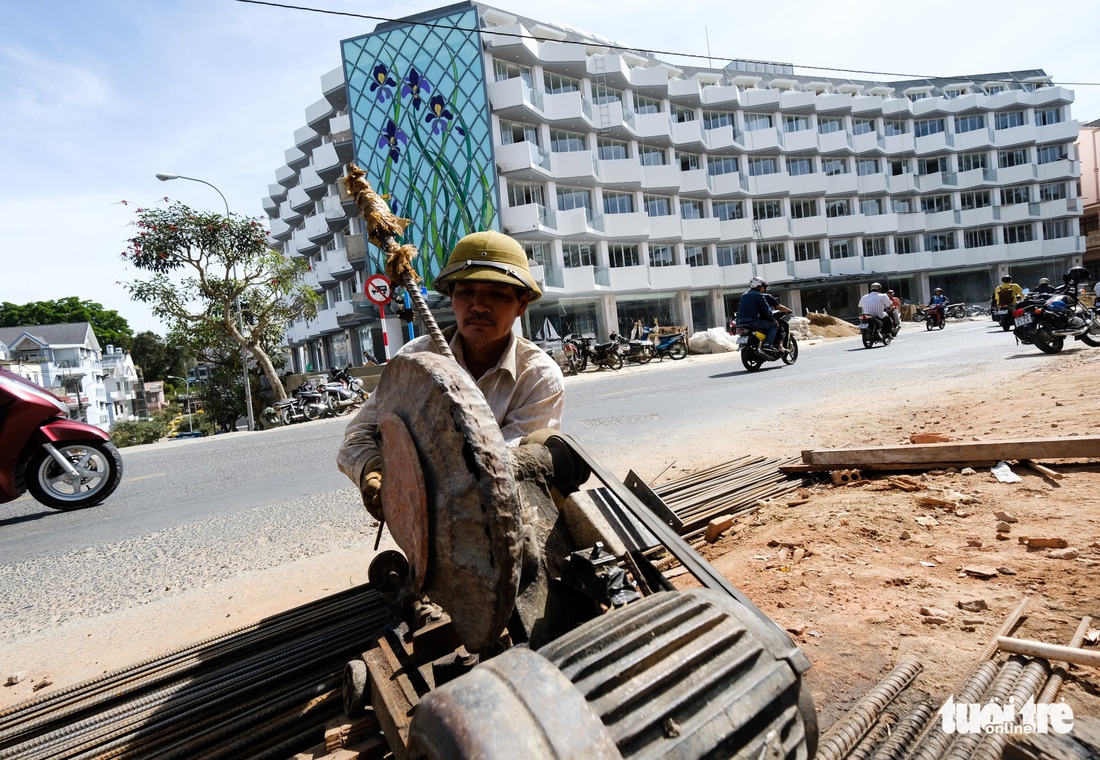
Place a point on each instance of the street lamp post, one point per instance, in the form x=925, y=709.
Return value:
x=240, y=316
x=187, y=393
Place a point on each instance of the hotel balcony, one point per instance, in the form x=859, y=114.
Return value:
x=808, y=184
x=523, y=161
x=752, y=98
x=736, y=229
x=335, y=215
x=694, y=181
x=833, y=103
x=633, y=226
x=664, y=227
x=833, y=142
x=650, y=77
x=761, y=140
x=769, y=184
x=866, y=145
x=726, y=184
x=579, y=280
x=515, y=99
x=977, y=217
x=886, y=263
x=1064, y=169
x=736, y=276
x=317, y=229
x=664, y=177
x=290, y=215
x=792, y=100
x=620, y=173
x=628, y=279
x=978, y=139
x=808, y=227
x=720, y=138
x=898, y=184
x=806, y=269
x=722, y=95
x=1046, y=96
x=300, y=200
x=940, y=220
x=653, y=126
x=286, y=176
x=312, y=183
x=802, y=141
x=328, y=163
x=880, y=224
x=569, y=58
x=318, y=115
x=323, y=273
x=840, y=184
x=338, y=264
x=530, y=217
x=1006, y=138
x=576, y=167
x=340, y=130
x=871, y=184
x=296, y=158
x=911, y=222
x=303, y=245
x=844, y=226
x=513, y=43
x=687, y=134
x=271, y=206
x=306, y=138
x=937, y=182
x=355, y=249
x=574, y=222
x=347, y=315
x=332, y=87
x=325, y=323
x=775, y=272
x=684, y=89
x=280, y=230
x=1014, y=175
x=779, y=227
x=568, y=110
x=899, y=144
x=937, y=143
x=701, y=230
x=850, y=265
x=1063, y=131
x=709, y=276
x=277, y=193
x=676, y=277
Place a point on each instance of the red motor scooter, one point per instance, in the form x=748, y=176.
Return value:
x=65, y=464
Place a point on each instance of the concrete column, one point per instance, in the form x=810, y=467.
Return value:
x=607, y=318
x=794, y=302
x=718, y=306
x=682, y=310
x=924, y=289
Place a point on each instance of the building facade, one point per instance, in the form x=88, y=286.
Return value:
x=1088, y=149
x=645, y=190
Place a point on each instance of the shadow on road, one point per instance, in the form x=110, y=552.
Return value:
x=1037, y=353
x=26, y=518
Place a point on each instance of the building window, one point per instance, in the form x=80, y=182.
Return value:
x=556, y=83
x=507, y=70
x=1047, y=116
x=794, y=123
x=939, y=241
x=915, y=96
x=934, y=204
x=523, y=193
x=717, y=119
x=872, y=206
x=974, y=199
x=514, y=132
x=767, y=209
x=802, y=209
x=611, y=150
x=658, y=205
x=970, y=161
x=1019, y=233
x=758, y=121
x=902, y=204
x=688, y=161
x=618, y=203
x=925, y=127
x=905, y=244
x=895, y=127
x=952, y=94
x=875, y=246
x=770, y=253
x=866, y=166
x=838, y=207
x=834, y=166
x=933, y=165
x=1012, y=157
x=661, y=256
x=578, y=255
x=541, y=252
x=978, y=238
x=1052, y=191
x=899, y=166
x=994, y=89
x=651, y=156
x=721, y=165
x=691, y=208
x=562, y=141
x=680, y=114
x=828, y=124
x=728, y=210
x=969, y=123
x=696, y=256
x=575, y=197
x=799, y=166
x=1014, y=195
x=863, y=126
x=1046, y=154
x=642, y=104
x=602, y=95
x=1057, y=228
x=622, y=255
x=761, y=166
x=841, y=249
x=1008, y=119
x=807, y=250
x=732, y=254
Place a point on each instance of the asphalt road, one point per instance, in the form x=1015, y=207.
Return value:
x=190, y=512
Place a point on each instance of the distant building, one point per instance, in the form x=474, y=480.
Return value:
x=1088, y=148
x=647, y=190
x=154, y=395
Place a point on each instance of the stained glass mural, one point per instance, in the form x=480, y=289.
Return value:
x=420, y=119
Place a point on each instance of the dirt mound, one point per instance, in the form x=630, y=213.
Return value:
x=826, y=326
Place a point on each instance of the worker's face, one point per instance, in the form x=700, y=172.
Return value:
x=486, y=311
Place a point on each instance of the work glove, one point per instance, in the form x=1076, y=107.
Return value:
x=371, y=487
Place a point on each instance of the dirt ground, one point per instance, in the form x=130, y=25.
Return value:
x=853, y=601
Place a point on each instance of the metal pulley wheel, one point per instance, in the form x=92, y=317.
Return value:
x=449, y=494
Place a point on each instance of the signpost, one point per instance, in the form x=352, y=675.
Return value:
x=378, y=290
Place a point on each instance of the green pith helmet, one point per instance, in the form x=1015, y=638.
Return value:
x=487, y=257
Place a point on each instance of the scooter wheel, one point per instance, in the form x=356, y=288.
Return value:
x=99, y=468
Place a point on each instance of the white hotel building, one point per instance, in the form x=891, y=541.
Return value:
x=645, y=190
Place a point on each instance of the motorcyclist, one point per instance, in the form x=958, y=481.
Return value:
x=755, y=313
x=1008, y=293
x=775, y=305
x=877, y=304
x=896, y=313
x=939, y=304
x=1044, y=286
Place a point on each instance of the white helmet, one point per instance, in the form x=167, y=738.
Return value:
x=755, y=283
x=876, y=287
x=1044, y=281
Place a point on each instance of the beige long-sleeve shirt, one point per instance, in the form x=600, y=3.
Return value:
x=525, y=390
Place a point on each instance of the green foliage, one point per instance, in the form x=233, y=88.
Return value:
x=156, y=358
x=136, y=432
x=109, y=327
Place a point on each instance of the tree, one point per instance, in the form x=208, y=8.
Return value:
x=156, y=358
x=223, y=260
x=109, y=327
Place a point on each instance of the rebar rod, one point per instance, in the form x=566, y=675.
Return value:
x=1005, y=629
x=1059, y=669
x=844, y=735
x=905, y=730
x=931, y=745
x=963, y=744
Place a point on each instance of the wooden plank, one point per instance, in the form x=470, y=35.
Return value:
x=1072, y=655
x=1068, y=447
x=1042, y=469
x=887, y=466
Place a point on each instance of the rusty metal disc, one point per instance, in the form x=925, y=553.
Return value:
x=405, y=496
x=472, y=502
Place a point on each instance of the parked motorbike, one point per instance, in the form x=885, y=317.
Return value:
x=874, y=330
x=1046, y=321
x=579, y=351
x=305, y=403
x=65, y=464
x=343, y=393
x=749, y=343
x=638, y=351
x=673, y=346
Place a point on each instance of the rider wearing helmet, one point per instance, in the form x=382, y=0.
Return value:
x=896, y=313
x=877, y=304
x=1076, y=276
x=755, y=313
x=490, y=286
x=1044, y=286
x=939, y=304
x=1008, y=293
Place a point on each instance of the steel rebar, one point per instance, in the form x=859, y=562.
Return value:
x=846, y=733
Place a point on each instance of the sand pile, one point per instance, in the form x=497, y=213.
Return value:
x=826, y=326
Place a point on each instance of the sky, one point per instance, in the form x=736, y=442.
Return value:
x=98, y=96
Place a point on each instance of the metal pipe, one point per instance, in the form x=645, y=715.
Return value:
x=1006, y=628
x=846, y=733
x=1059, y=673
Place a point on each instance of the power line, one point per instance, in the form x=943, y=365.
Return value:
x=613, y=46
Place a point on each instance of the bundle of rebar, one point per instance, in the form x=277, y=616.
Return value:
x=262, y=690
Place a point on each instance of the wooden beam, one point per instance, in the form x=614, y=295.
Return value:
x=886, y=466
x=1053, y=652
x=1069, y=447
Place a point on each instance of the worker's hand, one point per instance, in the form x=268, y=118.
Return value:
x=371, y=487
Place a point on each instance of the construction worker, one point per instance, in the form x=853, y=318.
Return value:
x=490, y=286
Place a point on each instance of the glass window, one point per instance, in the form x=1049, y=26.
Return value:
x=969, y=123
x=1046, y=154
x=993, y=89
x=838, y=207
x=799, y=166
x=642, y=104
x=1012, y=157
x=618, y=203
x=728, y=210
x=795, y=123
x=939, y=241
x=507, y=70
x=1045, y=116
x=872, y=206
x=934, y=204
x=761, y=166
x=602, y=95
x=514, y=132
x=1019, y=233
x=1008, y=119
x=902, y=204
x=933, y=165
x=828, y=124
x=579, y=254
x=865, y=166
x=905, y=244
x=834, y=166
x=623, y=255
x=1013, y=195
x=688, y=161
x=696, y=255
x=915, y=96
x=807, y=250
x=562, y=141
x=716, y=119
x=658, y=205
x=895, y=127
x=863, y=126
x=721, y=165
x=925, y=127
x=610, y=150
x=680, y=114
x=691, y=208
x=770, y=253
x=651, y=156
x=757, y=121
x=732, y=254
x=557, y=83
x=974, y=199
x=1052, y=191
x=876, y=246
x=767, y=209
x=971, y=161
x=899, y=166
x=841, y=249
x=574, y=197
x=978, y=238
x=1057, y=228
x=802, y=209
x=661, y=256
x=523, y=193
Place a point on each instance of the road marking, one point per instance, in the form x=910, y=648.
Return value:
x=143, y=477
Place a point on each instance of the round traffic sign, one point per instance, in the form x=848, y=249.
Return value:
x=378, y=289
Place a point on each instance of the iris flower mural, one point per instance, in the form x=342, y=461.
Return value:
x=414, y=86
x=389, y=139
x=382, y=83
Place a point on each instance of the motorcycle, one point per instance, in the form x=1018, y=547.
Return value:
x=306, y=403
x=673, y=346
x=953, y=310
x=65, y=464
x=579, y=351
x=343, y=393
x=749, y=343
x=1003, y=313
x=1045, y=321
x=934, y=318
x=874, y=330
x=638, y=351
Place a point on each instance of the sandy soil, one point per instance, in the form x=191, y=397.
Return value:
x=853, y=601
